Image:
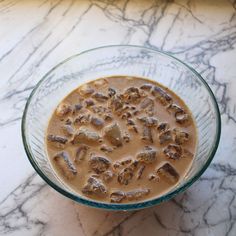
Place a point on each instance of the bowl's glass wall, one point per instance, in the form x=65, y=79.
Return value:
x=133, y=61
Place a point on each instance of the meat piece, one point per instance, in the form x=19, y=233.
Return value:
x=173, y=151
x=165, y=137
x=116, y=103
x=126, y=137
x=99, y=164
x=146, y=87
x=153, y=177
x=57, y=140
x=168, y=171
x=63, y=109
x=77, y=108
x=149, y=121
x=186, y=153
x=163, y=127
x=174, y=108
x=182, y=117
x=125, y=161
x=146, y=102
x=126, y=115
x=97, y=122
x=148, y=155
x=81, y=153
x=132, y=95
x=94, y=186
x=147, y=134
x=85, y=90
x=134, y=165
x=180, y=137
x=68, y=130
x=82, y=119
x=111, y=92
x=107, y=117
x=89, y=102
x=161, y=95
x=131, y=126
x=106, y=149
x=116, y=165
x=137, y=194
x=125, y=175
x=84, y=135
x=117, y=196
x=107, y=176
x=62, y=160
x=140, y=171
x=69, y=121
x=113, y=134
x=100, y=97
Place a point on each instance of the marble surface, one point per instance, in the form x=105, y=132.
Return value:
x=37, y=34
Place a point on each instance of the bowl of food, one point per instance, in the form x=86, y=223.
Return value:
x=121, y=127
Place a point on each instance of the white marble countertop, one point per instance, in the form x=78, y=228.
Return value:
x=37, y=34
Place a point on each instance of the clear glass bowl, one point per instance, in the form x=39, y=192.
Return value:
x=120, y=60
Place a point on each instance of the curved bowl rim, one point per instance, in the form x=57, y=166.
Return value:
x=130, y=206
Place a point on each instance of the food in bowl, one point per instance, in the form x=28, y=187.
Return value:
x=121, y=139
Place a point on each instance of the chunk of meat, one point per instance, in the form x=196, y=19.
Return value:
x=163, y=127
x=125, y=176
x=113, y=134
x=117, y=196
x=84, y=135
x=69, y=121
x=97, y=122
x=68, y=130
x=77, y=108
x=126, y=115
x=146, y=102
x=137, y=194
x=81, y=153
x=148, y=155
x=147, y=134
x=140, y=171
x=125, y=161
x=165, y=137
x=57, y=141
x=106, y=148
x=107, y=176
x=85, y=90
x=174, y=108
x=168, y=171
x=132, y=95
x=62, y=160
x=111, y=92
x=94, y=186
x=173, y=151
x=146, y=87
x=132, y=126
x=89, y=102
x=99, y=164
x=149, y=121
x=82, y=119
x=182, y=118
x=100, y=97
x=63, y=109
x=116, y=103
x=161, y=95
x=180, y=137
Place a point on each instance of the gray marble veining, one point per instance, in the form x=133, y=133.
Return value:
x=36, y=35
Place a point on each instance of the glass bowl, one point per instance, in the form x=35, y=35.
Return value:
x=120, y=60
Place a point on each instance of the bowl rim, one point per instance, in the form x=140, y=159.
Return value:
x=129, y=206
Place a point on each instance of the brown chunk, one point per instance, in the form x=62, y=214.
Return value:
x=148, y=155
x=125, y=161
x=161, y=95
x=77, y=108
x=111, y=92
x=97, y=122
x=117, y=196
x=182, y=117
x=173, y=151
x=62, y=159
x=140, y=171
x=165, y=137
x=132, y=95
x=57, y=140
x=82, y=119
x=168, y=171
x=153, y=177
x=149, y=121
x=85, y=90
x=180, y=137
x=94, y=186
x=89, y=102
x=100, y=97
x=126, y=115
x=174, y=108
x=131, y=126
x=113, y=134
x=125, y=175
x=137, y=194
x=146, y=87
x=99, y=164
x=107, y=176
x=81, y=153
x=163, y=127
x=116, y=103
x=147, y=134
x=68, y=130
x=63, y=109
x=146, y=102
x=85, y=136
x=69, y=121
x=106, y=149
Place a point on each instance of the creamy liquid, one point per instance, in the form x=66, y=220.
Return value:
x=156, y=186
